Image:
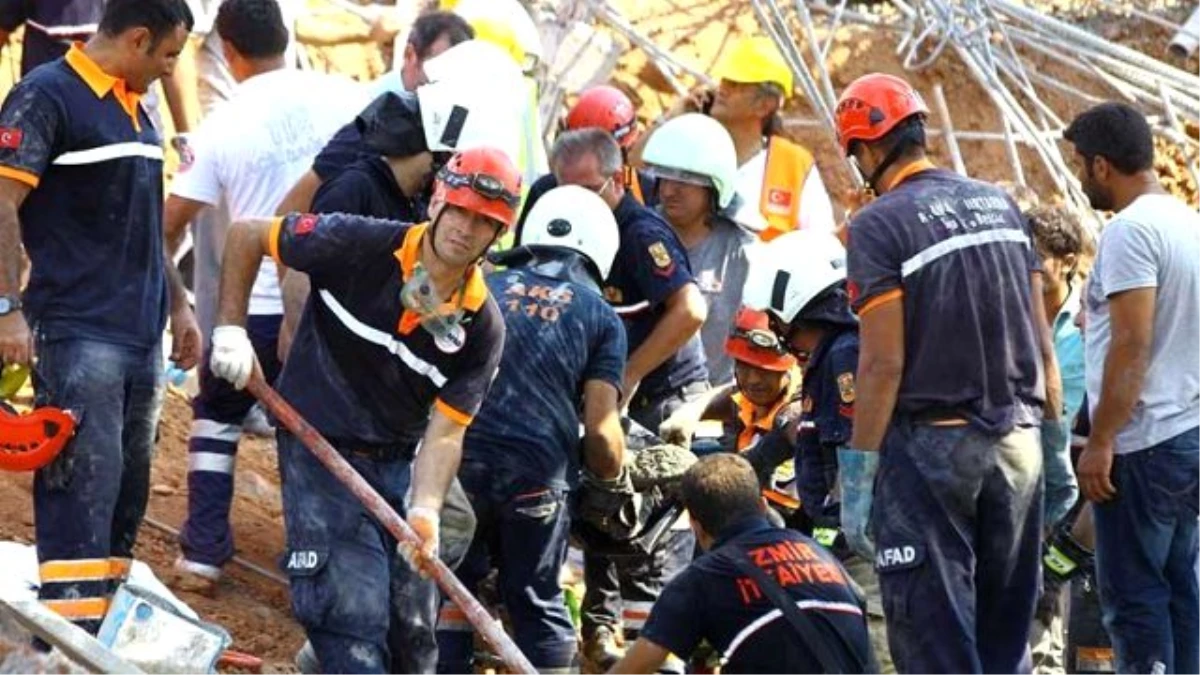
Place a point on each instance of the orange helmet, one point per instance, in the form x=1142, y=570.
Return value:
x=31, y=441
x=873, y=105
x=752, y=341
x=482, y=180
x=607, y=108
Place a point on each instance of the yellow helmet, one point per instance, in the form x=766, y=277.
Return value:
x=499, y=33
x=755, y=60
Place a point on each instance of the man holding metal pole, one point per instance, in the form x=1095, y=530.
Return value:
x=956, y=364
x=395, y=357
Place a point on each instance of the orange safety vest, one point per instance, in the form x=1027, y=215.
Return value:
x=786, y=171
x=634, y=185
x=751, y=426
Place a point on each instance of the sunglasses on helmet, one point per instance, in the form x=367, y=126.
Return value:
x=482, y=184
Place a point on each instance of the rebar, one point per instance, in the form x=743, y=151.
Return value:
x=939, y=98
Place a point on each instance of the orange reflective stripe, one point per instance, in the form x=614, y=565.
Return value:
x=119, y=568
x=880, y=300
x=786, y=169
x=81, y=608
x=765, y=424
x=90, y=569
x=456, y=416
x=273, y=239
x=20, y=176
x=635, y=185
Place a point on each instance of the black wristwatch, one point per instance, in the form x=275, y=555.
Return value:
x=9, y=304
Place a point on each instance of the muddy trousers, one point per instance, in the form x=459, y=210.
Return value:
x=217, y=411
x=351, y=591
x=522, y=530
x=1146, y=553
x=89, y=502
x=621, y=591
x=957, y=526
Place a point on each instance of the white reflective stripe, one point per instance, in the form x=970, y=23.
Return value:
x=634, y=613
x=213, y=462
x=775, y=614
x=948, y=246
x=385, y=340
x=64, y=31
x=216, y=431
x=106, y=153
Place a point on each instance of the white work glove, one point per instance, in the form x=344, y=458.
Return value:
x=232, y=355
x=425, y=522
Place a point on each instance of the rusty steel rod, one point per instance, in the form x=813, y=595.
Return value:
x=491, y=630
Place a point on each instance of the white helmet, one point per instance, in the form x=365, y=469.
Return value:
x=694, y=148
x=576, y=218
x=463, y=109
x=793, y=269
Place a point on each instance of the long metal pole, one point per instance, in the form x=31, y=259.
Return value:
x=939, y=98
x=490, y=629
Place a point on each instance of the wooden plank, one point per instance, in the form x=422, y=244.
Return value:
x=75, y=643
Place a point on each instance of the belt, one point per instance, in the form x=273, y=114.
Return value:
x=939, y=418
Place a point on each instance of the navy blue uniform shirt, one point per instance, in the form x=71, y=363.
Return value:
x=92, y=224
x=651, y=264
x=712, y=600
x=362, y=369
x=50, y=26
x=826, y=417
x=559, y=335
x=367, y=187
x=958, y=253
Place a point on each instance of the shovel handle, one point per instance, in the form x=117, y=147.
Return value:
x=491, y=630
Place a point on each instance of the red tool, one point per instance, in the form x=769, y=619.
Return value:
x=488, y=628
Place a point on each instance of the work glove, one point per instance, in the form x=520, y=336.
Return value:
x=856, y=477
x=425, y=522
x=610, y=504
x=232, y=355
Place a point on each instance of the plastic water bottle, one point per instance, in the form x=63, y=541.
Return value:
x=176, y=376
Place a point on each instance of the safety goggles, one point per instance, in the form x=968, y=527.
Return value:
x=761, y=339
x=482, y=184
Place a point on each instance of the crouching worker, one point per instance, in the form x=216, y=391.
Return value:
x=564, y=352
x=769, y=600
x=398, y=354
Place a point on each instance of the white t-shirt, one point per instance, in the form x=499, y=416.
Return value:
x=1153, y=243
x=816, y=211
x=253, y=148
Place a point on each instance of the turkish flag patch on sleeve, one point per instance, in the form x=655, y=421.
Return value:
x=10, y=138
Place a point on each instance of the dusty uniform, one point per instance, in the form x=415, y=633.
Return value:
x=522, y=456
x=97, y=303
x=714, y=599
x=962, y=454
x=650, y=265
x=247, y=155
x=365, y=373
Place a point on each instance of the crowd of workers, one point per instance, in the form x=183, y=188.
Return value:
x=911, y=432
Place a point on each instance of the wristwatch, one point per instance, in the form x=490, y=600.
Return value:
x=9, y=304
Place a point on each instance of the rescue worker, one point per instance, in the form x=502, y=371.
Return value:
x=81, y=188
x=800, y=282
x=607, y=108
x=663, y=309
x=246, y=155
x=431, y=33
x=564, y=352
x=398, y=354
x=778, y=182
x=693, y=163
x=958, y=428
x=50, y=27
x=768, y=599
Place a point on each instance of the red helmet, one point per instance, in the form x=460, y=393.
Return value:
x=482, y=180
x=752, y=341
x=873, y=105
x=31, y=441
x=607, y=108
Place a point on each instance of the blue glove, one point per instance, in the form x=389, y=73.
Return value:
x=856, y=476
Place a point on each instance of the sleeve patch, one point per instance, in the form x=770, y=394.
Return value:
x=845, y=383
x=10, y=138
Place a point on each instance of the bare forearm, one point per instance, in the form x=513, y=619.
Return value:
x=436, y=466
x=877, y=384
x=245, y=247
x=10, y=250
x=1041, y=326
x=300, y=197
x=1124, y=374
x=673, y=331
x=603, y=439
x=175, y=287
